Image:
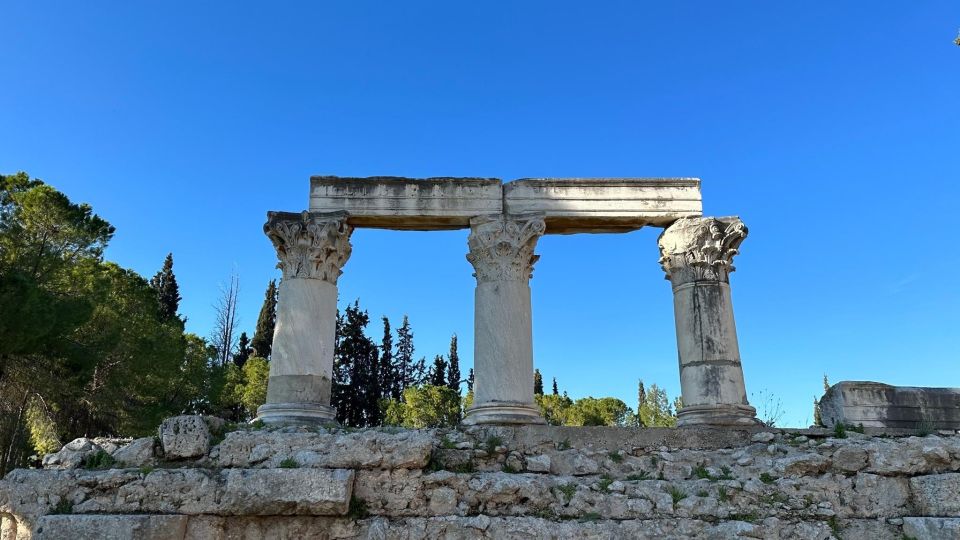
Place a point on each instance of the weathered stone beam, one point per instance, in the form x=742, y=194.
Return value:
x=389, y=202
x=874, y=404
x=569, y=205
x=576, y=205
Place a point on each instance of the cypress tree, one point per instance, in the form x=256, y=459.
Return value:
x=263, y=336
x=453, y=370
x=641, y=401
x=537, y=383
x=403, y=359
x=243, y=350
x=438, y=373
x=470, y=381
x=388, y=375
x=555, y=391
x=168, y=292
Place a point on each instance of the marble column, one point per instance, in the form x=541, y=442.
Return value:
x=501, y=252
x=697, y=256
x=312, y=248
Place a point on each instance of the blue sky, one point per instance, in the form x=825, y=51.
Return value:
x=832, y=129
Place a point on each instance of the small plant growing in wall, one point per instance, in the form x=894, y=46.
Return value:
x=563, y=445
x=641, y=475
x=677, y=495
x=491, y=444
x=358, y=508
x=98, y=461
x=767, y=478
x=567, y=490
x=289, y=463
x=615, y=457
x=604, y=483
x=839, y=431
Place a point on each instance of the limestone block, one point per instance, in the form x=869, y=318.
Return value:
x=802, y=464
x=539, y=464
x=573, y=205
x=936, y=494
x=390, y=202
x=360, y=450
x=116, y=527
x=850, y=458
x=72, y=454
x=317, y=492
x=138, y=453
x=931, y=528
x=880, y=405
x=184, y=436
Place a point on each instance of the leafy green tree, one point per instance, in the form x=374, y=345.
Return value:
x=605, y=411
x=438, y=373
x=453, y=369
x=537, y=383
x=655, y=410
x=556, y=392
x=554, y=408
x=168, y=292
x=256, y=372
x=262, y=342
x=426, y=406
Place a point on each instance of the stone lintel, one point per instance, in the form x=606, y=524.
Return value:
x=601, y=205
x=390, y=202
x=570, y=205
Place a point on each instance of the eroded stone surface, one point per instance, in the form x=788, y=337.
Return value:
x=874, y=404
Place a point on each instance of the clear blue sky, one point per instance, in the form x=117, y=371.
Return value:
x=832, y=129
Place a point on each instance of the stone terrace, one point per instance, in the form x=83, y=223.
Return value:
x=200, y=480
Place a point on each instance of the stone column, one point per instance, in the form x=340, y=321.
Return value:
x=697, y=255
x=501, y=252
x=312, y=249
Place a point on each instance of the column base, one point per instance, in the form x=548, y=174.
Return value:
x=297, y=413
x=503, y=412
x=717, y=415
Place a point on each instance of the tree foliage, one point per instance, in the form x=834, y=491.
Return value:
x=262, y=341
x=168, y=292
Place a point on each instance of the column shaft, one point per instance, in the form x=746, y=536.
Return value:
x=697, y=255
x=501, y=251
x=312, y=249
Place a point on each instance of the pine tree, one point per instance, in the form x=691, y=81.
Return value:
x=388, y=376
x=438, y=373
x=556, y=392
x=537, y=383
x=453, y=369
x=243, y=350
x=817, y=419
x=826, y=383
x=470, y=382
x=263, y=336
x=403, y=360
x=168, y=292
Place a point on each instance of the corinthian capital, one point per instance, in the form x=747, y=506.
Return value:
x=312, y=246
x=701, y=249
x=501, y=247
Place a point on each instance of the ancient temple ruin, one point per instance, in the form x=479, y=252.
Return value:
x=505, y=222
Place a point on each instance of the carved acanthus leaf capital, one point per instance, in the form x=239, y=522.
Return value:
x=501, y=247
x=701, y=249
x=311, y=246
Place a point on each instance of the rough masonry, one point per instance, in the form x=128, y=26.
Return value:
x=497, y=482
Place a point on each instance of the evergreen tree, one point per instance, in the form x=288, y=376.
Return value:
x=826, y=383
x=356, y=386
x=453, y=370
x=817, y=419
x=641, y=400
x=403, y=360
x=243, y=350
x=263, y=336
x=556, y=392
x=168, y=292
x=537, y=383
x=470, y=382
x=438, y=373
x=388, y=375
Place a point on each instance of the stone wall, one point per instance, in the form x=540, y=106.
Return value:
x=198, y=479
